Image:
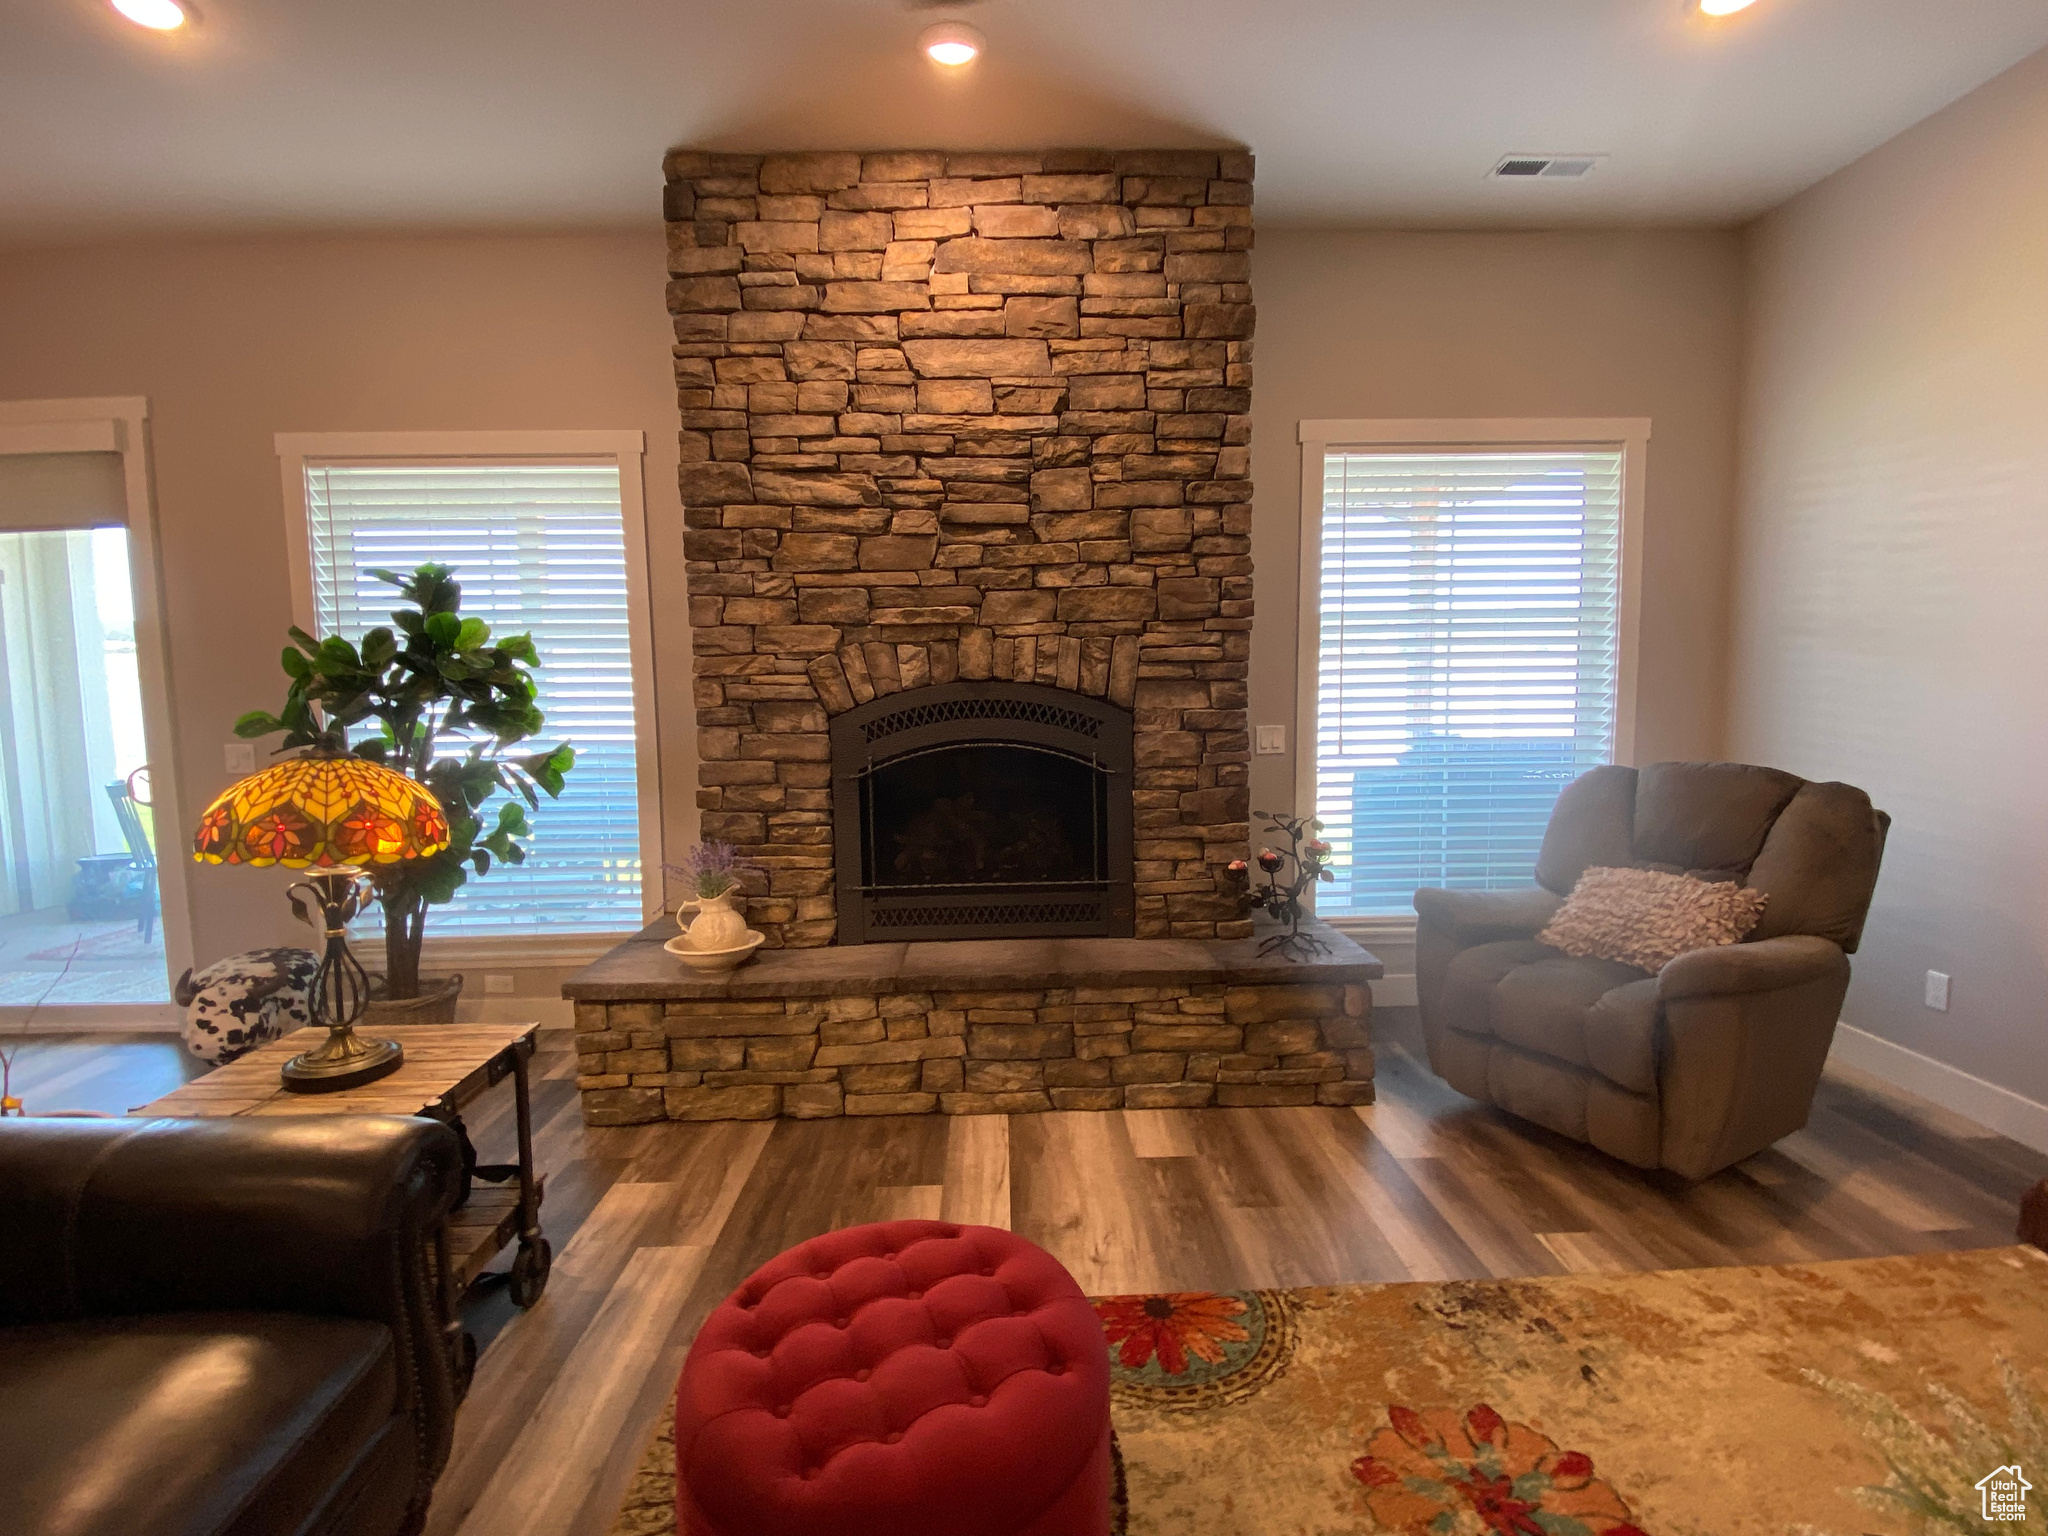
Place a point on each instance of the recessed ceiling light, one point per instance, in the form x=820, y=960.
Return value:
x=1724, y=7
x=157, y=15
x=951, y=43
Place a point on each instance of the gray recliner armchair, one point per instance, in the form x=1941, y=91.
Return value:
x=1714, y=1057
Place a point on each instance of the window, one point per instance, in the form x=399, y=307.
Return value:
x=1469, y=651
x=90, y=916
x=547, y=543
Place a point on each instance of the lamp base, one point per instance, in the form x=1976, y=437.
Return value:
x=342, y=1060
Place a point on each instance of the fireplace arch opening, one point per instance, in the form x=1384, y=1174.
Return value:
x=982, y=810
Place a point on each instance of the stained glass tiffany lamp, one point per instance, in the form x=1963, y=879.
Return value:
x=330, y=815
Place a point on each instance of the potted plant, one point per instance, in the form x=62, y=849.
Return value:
x=441, y=701
x=719, y=940
x=712, y=872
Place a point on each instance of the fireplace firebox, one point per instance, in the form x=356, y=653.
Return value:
x=983, y=810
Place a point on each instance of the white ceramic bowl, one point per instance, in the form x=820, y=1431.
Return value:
x=714, y=962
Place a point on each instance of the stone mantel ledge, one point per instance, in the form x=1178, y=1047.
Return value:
x=640, y=970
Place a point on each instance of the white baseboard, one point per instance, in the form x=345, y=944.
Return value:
x=1992, y=1106
x=94, y=1019
x=169, y=1018
x=548, y=1012
x=1394, y=992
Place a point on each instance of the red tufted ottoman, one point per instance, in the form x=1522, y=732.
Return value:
x=911, y=1378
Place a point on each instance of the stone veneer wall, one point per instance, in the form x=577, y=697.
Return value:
x=1075, y=1047
x=966, y=416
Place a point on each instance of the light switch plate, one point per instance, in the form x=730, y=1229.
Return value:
x=1937, y=991
x=239, y=756
x=498, y=985
x=1271, y=740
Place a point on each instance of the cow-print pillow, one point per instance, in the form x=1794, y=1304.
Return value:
x=244, y=1001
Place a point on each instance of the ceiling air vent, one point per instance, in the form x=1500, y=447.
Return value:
x=1529, y=167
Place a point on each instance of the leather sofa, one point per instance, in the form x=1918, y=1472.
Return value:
x=223, y=1327
x=1717, y=1055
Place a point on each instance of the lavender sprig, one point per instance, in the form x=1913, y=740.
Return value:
x=708, y=869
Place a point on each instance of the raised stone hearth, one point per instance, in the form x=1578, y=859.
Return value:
x=973, y=1027
x=949, y=418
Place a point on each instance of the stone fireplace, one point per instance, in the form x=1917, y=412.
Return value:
x=966, y=458
x=964, y=420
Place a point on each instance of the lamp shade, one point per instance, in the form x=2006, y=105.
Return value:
x=318, y=812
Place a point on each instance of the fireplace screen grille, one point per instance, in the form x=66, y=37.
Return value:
x=983, y=810
x=1035, y=711
x=1003, y=915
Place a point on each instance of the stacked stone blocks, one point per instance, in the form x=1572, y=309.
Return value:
x=966, y=416
x=1010, y=1052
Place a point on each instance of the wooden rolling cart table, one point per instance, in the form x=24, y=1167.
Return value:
x=447, y=1067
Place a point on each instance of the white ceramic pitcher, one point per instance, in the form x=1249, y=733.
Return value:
x=719, y=924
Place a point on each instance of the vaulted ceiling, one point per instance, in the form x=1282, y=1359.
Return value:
x=441, y=113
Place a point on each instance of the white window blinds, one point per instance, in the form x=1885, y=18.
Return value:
x=539, y=547
x=1468, y=661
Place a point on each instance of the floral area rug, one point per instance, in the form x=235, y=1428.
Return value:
x=1871, y=1397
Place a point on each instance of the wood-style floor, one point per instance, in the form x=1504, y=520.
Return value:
x=653, y=1225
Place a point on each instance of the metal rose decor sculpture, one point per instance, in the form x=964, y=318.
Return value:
x=1284, y=902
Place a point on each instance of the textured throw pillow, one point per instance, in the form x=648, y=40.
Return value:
x=1644, y=917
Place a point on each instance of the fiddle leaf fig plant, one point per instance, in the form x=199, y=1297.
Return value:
x=404, y=696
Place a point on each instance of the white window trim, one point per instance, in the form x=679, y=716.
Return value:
x=294, y=449
x=1631, y=434
x=120, y=424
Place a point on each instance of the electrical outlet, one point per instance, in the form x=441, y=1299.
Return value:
x=1271, y=740
x=1937, y=991
x=499, y=985
x=239, y=756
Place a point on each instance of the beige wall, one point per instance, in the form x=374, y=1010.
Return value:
x=1355, y=325
x=1890, y=624
x=233, y=342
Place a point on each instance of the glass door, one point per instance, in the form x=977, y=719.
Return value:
x=79, y=904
